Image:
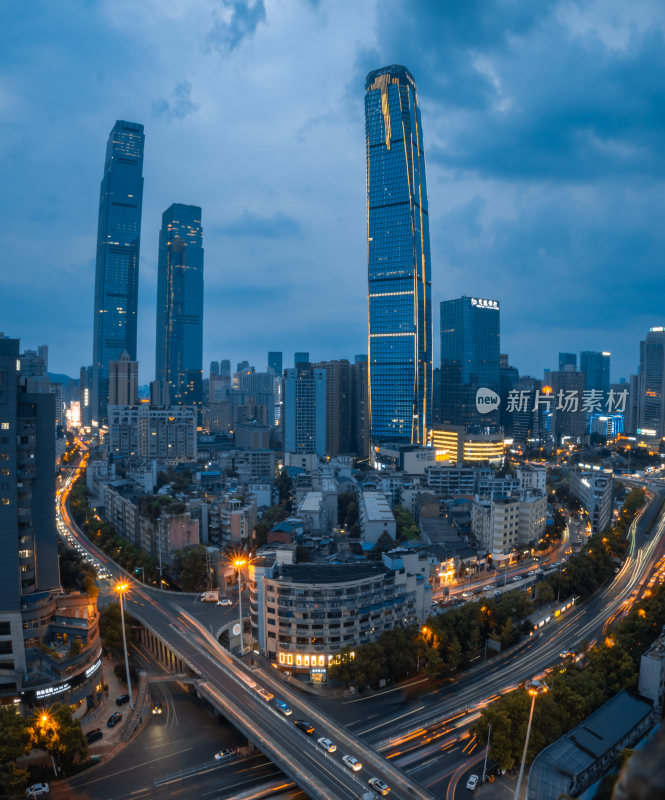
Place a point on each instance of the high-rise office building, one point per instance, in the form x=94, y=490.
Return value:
x=86, y=392
x=305, y=410
x=117, y=270
x=38, y=624
x=214, y=368
x=399, y=282
x=275, y=362
x=567, y=360
x=596, y=367
x=651, y=385
x=566, y=405
x=470, y=350
x=179, y=355
x=123, y=381
x=300, y=358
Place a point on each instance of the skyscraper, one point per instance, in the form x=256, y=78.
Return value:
x=275, y=362
x=596, y=367
x=123, y=381
x=400, y=305
x=651, y=385
x=470, y=344
x=179, y=359
x=35, y=615
x=300, y=358
x=567, y=360
x=117, y=270
x=305, y=410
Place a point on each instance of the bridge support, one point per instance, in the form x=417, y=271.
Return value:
x=160, y=652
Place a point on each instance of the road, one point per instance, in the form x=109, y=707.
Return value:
x=386, y=721
x=226, y=684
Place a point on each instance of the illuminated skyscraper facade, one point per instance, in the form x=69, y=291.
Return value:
x=117, y=271
x=400, y=307
x=179, y=357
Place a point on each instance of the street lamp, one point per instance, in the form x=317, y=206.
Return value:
x=238, y=563
x=121, y=587
x=44, y=720
x=534, y=688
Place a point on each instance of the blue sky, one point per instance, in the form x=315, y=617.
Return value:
x=543, y=127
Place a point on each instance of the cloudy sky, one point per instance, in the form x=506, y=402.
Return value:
x=543, y=125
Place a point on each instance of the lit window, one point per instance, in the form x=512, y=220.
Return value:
x=5, y=501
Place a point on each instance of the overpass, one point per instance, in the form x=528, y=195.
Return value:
x=185, y=645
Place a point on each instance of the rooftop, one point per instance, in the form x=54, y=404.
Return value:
x=331, y=573
x=376, y=507
x=554, y=769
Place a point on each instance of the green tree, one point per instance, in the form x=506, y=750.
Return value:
x=544, y=594
x=110, y=628
x=191, y=568
x=56, y=732
x=405, y=524
x=284, y=486
x=384, y=543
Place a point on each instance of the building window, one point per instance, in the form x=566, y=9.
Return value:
x=5, y=501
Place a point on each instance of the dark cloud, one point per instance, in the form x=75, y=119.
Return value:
x=179, y=106
x=277, y=226
x=237, y=21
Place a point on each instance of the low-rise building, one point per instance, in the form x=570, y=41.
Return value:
x=532, y=476
x=375, y=518
x=303, y=614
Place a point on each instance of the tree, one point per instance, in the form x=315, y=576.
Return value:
x=405, y=524
x=13, y=735
x=284, y=485
x=110, y=628
x=191, y=568
x=56, y=732
x=544, y=594
x=384, y=543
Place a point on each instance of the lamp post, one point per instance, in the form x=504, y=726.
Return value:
x=45, y=719
x=238, y=563
x=489, y=734
x=121, y=587
x=534, y=688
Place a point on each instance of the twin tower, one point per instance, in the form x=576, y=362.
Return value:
x=179, y=339
x=399, y=279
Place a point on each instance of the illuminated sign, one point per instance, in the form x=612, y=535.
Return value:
x=63, y=687
x=93, y=668
x=646, y=432
x=478, y=302
x=301, y=660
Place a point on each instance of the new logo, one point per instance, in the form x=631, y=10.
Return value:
x=486, y=401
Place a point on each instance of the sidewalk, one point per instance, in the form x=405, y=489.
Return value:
x=98, y=717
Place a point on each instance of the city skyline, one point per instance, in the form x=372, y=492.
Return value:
x=550, y=198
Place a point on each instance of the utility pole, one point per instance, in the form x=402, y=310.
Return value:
x=489, y=734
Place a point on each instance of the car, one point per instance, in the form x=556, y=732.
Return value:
x=114, y=719
x=327, y=745
x=352, y=763
x=223, y=754
x=157, y=708
x=225, y=602
x=94, y=735
x=564, y=654
x=307, y=727
x=37, y=790
x=472, y=782
x=286, y=710
x=265, y=694
x=120, y=701
x=379, y=786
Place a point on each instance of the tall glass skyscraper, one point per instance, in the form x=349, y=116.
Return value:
x=179, y=355
x=470, y=350
x=117, y=271
x=400, y=305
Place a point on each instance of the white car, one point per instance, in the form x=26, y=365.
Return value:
x=352, y=763
x=327, y=745
x=37, y=790
x=472, y=782
x=225, y=602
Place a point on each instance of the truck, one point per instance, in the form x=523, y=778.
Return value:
x=210, y=596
